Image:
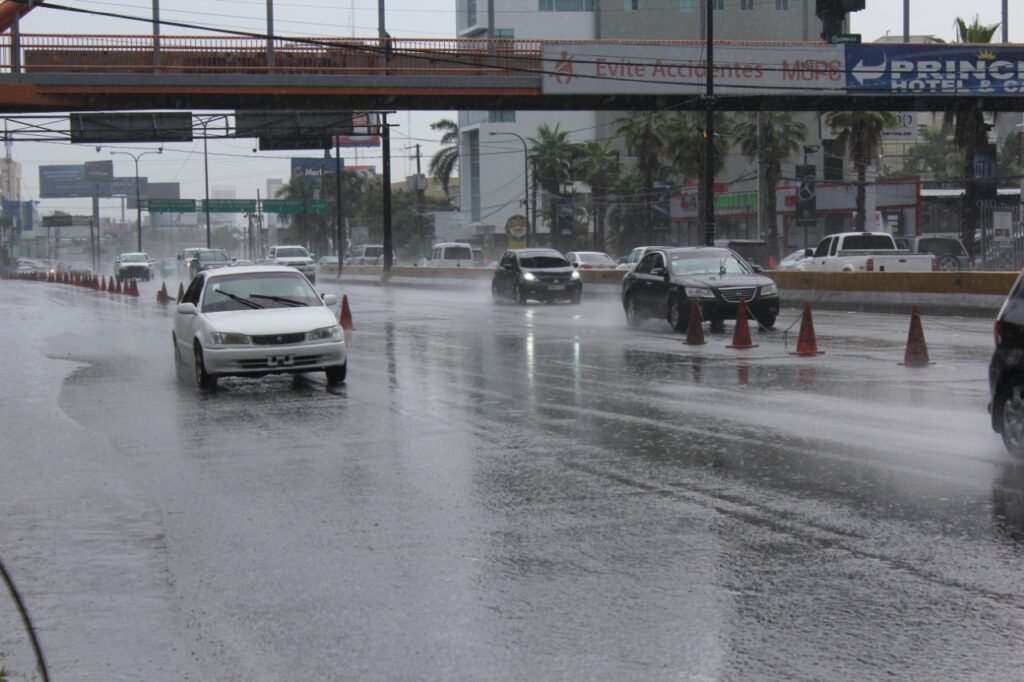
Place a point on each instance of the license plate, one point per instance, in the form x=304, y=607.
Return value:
x=280, y=360
x=556, y=287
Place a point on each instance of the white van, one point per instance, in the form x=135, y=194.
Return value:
x=450, y=255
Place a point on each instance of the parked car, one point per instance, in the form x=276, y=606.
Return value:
x=369, y=254
x=195, y=260
x=327, y=260
x=133, y=265
x=590, y=260
x=479, y=259
x=538, y=274
x=449, y=255
x=257, y=320
x=950, y=254
x=634, y=256
x=663, y=283
x=1006, y=371
x=294, y=257
x=754, y=251
x=793, y=259
x=864, y=252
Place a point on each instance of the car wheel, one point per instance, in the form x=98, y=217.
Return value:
x=767, y=321
x=204, y=379
x=948, y=264
x=494, y=292
x=178, y=362
x=336, y=375
x=633, y=318
x=678, y=316
x=1013, y=420
x=519, y=294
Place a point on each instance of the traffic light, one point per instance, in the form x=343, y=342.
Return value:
x=832, y=13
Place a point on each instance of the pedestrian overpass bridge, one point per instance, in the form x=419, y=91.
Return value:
x=56, y=73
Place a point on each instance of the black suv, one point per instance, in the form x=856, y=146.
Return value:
x=538, y=274
x=1006, y=371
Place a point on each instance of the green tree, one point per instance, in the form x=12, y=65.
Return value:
x=598, y=166
x=687, y=150
x=778, y=137
x=969, y=131
x=306, y=229
x=860, y=134
x=446, y=159
x=628, y=214
x=551, y=158
x=644, y=135
x=932, y=156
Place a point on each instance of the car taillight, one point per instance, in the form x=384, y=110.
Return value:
x=870, y=265
x=935, y=265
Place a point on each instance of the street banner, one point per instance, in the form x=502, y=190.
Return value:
x=806, y=196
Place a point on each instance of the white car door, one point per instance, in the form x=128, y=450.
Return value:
x=185, y=324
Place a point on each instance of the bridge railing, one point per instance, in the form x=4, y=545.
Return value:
x=39, y=53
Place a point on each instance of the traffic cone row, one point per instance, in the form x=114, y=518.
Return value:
x=161, y=296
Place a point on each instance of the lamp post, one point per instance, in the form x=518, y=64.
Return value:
x=138, y=197
x=526, y=178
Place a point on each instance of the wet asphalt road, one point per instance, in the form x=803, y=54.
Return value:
x=506, y=493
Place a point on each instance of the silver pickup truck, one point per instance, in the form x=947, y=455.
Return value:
x=863, y=252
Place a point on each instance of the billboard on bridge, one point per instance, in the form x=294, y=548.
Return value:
x=575, y=69
x=911, y=69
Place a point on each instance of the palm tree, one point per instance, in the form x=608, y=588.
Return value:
x=686, y=141
x=860, y=134
x=306, y=229
x=444, y=161
x=778, y=137
x=969, y=131
x=644, y=135
x=551, y=157
x=598, y=166
x=629, y=213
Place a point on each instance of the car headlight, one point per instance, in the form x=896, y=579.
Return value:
x=229, y=339
x=699, y=292
x=325, y=334
x=529, y=277
x=770, y=290
x=574, y=275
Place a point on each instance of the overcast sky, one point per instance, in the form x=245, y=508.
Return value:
x=233, y=163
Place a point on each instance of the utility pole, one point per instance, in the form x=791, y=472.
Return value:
x=385, y=138
x=906, y=21
x=156, y=35
x=419, y=203
x=709, y=131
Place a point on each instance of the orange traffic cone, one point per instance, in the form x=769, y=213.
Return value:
x=695, y=328
x=135, y=288
x=95, y=283
x=181, y=292
x=346, y=315
x=161, y=296
x=807, y=344
x=741, y=335
x=117, y=287
x=917, y=351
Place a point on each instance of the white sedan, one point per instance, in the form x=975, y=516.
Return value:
x=257, y=320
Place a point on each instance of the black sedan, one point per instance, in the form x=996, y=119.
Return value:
x=537, y=274
x=1006, y=371
x=664, y=282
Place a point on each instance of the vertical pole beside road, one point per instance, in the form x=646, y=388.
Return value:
x=709, y=128
x=385, y=137
x=270, y=34
x=156, y=35
x=338, y=220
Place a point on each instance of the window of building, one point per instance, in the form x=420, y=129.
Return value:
x=833, y=160
x=470, y=13
x=688, y=5
x=504, y=33
x=717, y=4
x=630, y=5
x=473, y=140
x=747, y=5
x=566, y=5
x=782, y=4
x=475, y=117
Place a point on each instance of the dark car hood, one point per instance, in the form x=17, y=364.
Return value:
x=551, y=271
x=716, y=281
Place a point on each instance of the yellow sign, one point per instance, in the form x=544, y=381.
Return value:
x=515, y=228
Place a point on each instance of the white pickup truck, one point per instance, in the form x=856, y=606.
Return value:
x=863, y=252
x=293, y=256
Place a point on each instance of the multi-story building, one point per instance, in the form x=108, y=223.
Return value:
x=491, y=166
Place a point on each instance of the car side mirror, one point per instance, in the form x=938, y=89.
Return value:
x=508, y=266
x=756, y=267
x=186, y=308
x=808, y=253
x=657, y=272
x=330, y=300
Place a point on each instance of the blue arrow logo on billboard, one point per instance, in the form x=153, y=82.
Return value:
x=862, y=72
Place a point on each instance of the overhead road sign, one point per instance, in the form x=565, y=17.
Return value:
x=929, y=69
x=283, y=206
x=229, y=206
x=293, y=129
x=174, y=126
x=172, y=205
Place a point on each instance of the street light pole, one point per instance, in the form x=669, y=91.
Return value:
x=526, y=178
x=138, y=195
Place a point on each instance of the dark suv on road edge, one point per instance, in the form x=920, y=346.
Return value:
x=1006, y=371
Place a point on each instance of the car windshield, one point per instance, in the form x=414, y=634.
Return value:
x=133, y=258
x=587, y=257
x=707, y=263
x=213, y=256
x=247, y=291
x=542, y=261
x=458, y=253
x=292, y=252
